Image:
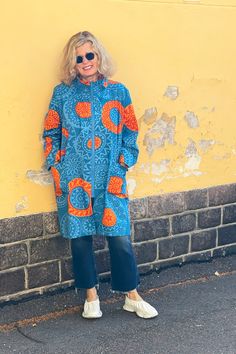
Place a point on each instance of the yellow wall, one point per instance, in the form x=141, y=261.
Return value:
x=189, y=45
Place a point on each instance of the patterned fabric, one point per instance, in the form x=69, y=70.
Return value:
x=90, y=130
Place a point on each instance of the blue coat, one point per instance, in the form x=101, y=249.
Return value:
x=90, y=129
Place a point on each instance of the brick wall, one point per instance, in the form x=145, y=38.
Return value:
x=166, y=229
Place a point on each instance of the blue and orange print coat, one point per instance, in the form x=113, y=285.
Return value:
x=90, y=130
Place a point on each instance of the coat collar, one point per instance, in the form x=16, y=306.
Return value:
x=101, y=81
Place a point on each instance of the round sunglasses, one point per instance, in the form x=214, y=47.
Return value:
x=88, y=56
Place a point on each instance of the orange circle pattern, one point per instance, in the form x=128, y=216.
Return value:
x=115, y=187
x=79, y=182
x=83, y=109
x=129, y=118
x=115, y=184
x=121, y=159
x=112, y=82
x=59, y=154
x=56, y=177
x=109, y=217
x=52, y=120
x=106, y=119
x=98, y=143
x=65, y=132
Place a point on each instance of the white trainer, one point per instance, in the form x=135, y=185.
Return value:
x=142, y=308
x=92, y=309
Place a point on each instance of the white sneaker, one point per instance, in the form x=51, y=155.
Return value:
x=92, y=309
x=141, y=307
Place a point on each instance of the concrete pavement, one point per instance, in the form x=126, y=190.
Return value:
x=197, y=315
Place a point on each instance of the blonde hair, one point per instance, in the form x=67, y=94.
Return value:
x=68, y=71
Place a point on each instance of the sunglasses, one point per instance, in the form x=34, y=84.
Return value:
x=88, y=56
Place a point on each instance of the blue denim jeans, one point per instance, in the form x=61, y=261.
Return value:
x=124, y=271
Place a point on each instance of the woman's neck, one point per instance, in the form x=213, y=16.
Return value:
x=93, y=78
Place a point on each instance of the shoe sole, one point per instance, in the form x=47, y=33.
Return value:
x=126, y=308
x=92, y=316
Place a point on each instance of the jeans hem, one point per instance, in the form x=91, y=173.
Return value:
x=113, y=291
x=77, y=288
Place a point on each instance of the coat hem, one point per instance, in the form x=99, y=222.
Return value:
x=104, y=235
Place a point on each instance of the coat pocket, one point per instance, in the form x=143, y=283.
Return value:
x=117, y=184
x=59, y=178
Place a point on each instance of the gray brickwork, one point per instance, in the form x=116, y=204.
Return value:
x=169, y=229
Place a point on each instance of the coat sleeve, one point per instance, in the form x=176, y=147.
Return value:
x=52, y=131
x=129, y=151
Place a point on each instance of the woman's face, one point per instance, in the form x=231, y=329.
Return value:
x=88, y=69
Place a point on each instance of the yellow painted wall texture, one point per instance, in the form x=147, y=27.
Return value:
x=176, y=57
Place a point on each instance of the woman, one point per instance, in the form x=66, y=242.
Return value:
x=90, y=134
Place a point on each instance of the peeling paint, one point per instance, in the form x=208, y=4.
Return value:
x=22, y=204
x=158, y=180
x=191, y=119
x=206, y=144
x=131, y=185
x=145, y=167
x=194, y=159
x=42, y=177
x=149, y=115
x=162, y=131
x=184, y=174
x=192, y=173
x=159, y=168
x=155, y=167
x=172, y=92
x=191, y=149
x=193, y=163
x=190, y=168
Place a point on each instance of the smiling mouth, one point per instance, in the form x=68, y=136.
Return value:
x=88, y=67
